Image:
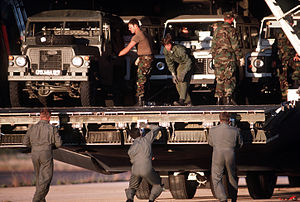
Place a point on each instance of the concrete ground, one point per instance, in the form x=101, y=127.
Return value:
x=114, y=192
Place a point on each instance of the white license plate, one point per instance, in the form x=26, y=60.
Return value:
x=47, y=72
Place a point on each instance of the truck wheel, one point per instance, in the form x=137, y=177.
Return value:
x=229, y=190
x=143, y=192
x=87, y=95
x=181, y=188
x=15, y=93
x=261, y=185
x=294, y=181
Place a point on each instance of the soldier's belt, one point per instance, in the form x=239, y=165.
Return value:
x=41, y=147
x=147, y=57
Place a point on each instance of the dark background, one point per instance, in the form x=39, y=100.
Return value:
x=161, y=8
x=164, y=8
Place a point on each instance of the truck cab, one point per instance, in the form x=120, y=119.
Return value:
x=195, y=32
x=65, y=53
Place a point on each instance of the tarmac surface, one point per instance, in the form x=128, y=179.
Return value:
x=114, y=192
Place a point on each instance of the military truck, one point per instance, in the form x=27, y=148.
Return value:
x=195, y=32
x=66, y=53
x=261, y=64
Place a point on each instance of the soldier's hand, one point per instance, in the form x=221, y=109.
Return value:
x=174, y=78
x=242, y=62
x=143, y=125
x=296, y=58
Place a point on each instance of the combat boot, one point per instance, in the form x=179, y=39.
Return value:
x=188, y=104
x=219, y=100
x=230, y=101
x=141, y=101
x=180, y=102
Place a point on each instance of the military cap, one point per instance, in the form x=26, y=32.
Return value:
x=229, y=15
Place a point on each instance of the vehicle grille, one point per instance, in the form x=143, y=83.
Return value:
x=50, y=59
x=201, y=66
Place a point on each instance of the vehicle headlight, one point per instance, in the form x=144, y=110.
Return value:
x=77, y=61
x=258, y=63
x=211, y=64
x=160, y=66
x=43, y=39
x=21, y=61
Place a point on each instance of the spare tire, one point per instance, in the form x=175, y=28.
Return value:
x=181, y=187
x=144, y=190
x=55, y=40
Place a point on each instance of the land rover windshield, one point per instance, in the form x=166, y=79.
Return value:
x=189, y=31
x=86, y=28
x=192, y=31
x=271, y=28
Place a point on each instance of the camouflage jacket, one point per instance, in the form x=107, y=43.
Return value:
x=286, y=51
x=178, y=55
x=225, y=45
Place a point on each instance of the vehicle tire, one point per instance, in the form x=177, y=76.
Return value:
x=143, y=192
x=294, y=181
x=261, y=185
x=87, y=94
x=15, y=93
x=181, y=188
x=229, y=190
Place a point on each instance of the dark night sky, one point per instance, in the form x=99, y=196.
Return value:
x=165, y=8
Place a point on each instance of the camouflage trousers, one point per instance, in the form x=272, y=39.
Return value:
x=296, y=73
x=284, y=85
x=143, y=72
x=225, y=78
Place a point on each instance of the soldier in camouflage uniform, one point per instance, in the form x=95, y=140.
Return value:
x=145, y=57
x=41, y=137
x=226, y=53
x=181, y=73
x=286, y=53
x=296, y=73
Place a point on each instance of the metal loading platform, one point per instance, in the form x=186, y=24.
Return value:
x=106, y=126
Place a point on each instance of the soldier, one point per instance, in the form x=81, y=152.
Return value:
x=215, y=25
x=140, y=153
x=286, y=53
x=180, y=74
x=41, y=137
x=145, y=57
x=225, y=52
x=296, y=73
x=224, y=139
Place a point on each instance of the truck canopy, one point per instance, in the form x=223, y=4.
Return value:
x=66, y=15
